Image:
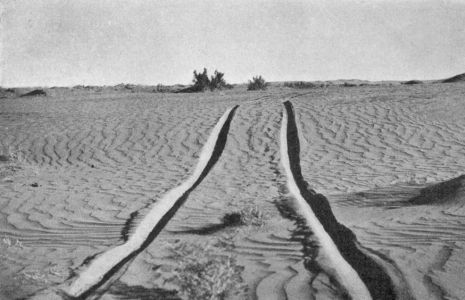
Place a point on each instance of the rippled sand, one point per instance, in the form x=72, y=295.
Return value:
x=84, y=162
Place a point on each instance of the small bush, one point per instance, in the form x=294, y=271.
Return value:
x=233, y=219
x=257, y=83
x=348, y=84
x=10, y=163
x=300, y=85
x=205, y=271
x=247, y=216
x=20, y=280
x=7, y=92
x=202, y=82
x=217, y=81
x=162, y=88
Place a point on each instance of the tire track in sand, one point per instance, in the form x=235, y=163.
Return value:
x=340, y=256
x=104, y=268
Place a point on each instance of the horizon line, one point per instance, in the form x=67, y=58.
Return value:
x=233, y=83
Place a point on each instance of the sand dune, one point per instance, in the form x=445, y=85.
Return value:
x=456, y=78
x=98, y=158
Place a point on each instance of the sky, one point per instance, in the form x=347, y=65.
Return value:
x=106, y=42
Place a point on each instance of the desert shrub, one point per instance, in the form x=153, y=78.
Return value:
x=253, y=216
x=205, y=271
x=300, y=85
x=10, y=163
x=19, y=280
x=7, y=92
x=348, y=84
x=246, y=216
x=217, y=81
x=202, y=82
x=257, y=83
x=10, y=155
x=9, y=243
x=162, y=88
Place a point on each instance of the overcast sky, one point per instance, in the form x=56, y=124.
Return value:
x=62, y=43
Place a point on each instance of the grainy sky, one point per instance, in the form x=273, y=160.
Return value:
x=62, y=43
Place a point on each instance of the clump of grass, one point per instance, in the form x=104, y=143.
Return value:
x=251, y=216
x=18, y=279
x=162, y=88
x=9, y=243
x=349, y=84
x=10, y=163
x=257, y=83
x=9, y=156
x=205, y=271
x=300, y=85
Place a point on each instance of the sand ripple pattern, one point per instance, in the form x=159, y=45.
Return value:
x=370, y=151
x=88, y=164
x=365, y=137
x=140, y=145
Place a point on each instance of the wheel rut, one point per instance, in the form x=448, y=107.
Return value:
x=328, y=246
x=339, y=253
x=100, y=271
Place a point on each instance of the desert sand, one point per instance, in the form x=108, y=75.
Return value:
x=83, y=168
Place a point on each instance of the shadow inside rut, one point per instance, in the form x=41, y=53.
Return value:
x=122, y=291
x=374, y=276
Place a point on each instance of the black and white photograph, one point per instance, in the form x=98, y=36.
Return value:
x=232, y=150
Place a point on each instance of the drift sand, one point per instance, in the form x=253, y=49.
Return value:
x=105, y=267
x=90, y=159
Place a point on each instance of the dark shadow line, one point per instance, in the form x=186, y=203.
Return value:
x=209, y=229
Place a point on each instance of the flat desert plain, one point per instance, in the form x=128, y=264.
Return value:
x=234, y=180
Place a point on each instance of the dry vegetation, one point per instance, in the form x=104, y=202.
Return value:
x=206, y=271
x=257, y=83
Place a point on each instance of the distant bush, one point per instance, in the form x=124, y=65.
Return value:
x=162, y=88
x=202, y=82
x=7, y=92
x=257, y=83
x=348, y=84
x=300, y=85
x=217, y=81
